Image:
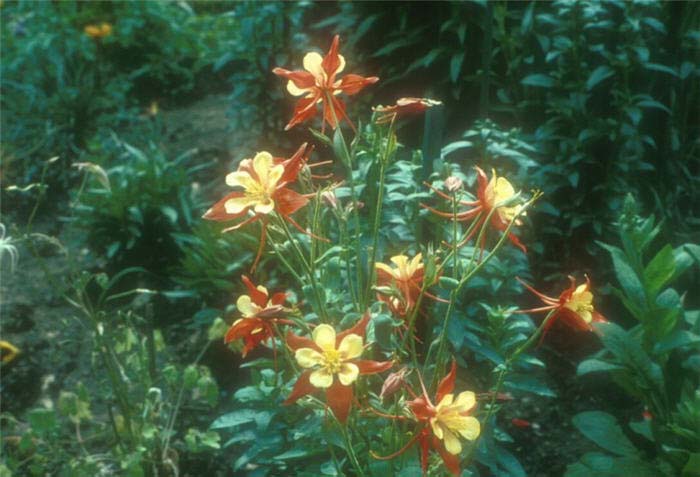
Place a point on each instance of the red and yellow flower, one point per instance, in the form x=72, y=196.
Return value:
x=574, y=307
x=442, y=425
x=260, y=313
x=403, y=107
x=319, y=85
x=263, y=188
x=405, y=280
x=331, y=363
x=490, y=193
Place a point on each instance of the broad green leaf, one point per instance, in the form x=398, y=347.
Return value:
x=456, y=65
x=627, y=277
x=538, y=80
x=659, y=271
x=599, y=74
x=594, y=366
x=603, y=430
x=234, y=419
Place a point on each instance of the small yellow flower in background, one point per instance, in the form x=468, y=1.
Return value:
x=330, y=360
x=96, y=32
x=8, y=352
x=153, y=108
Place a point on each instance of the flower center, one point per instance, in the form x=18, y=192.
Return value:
x=332, y=360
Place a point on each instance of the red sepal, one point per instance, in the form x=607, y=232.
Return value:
x=367, y=366
x=258, y=297
x=339, y=399
x=301, y=388
x=447, y=384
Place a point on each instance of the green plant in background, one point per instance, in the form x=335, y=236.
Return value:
x=137, y=204
x=134, y=408
x=266, y=34
x=656, y=361
x=62, y=84
x=588, y=84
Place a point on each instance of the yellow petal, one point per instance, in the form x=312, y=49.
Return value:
x=400, y=261
x=437, y=428
x=265, y=207
x=348, y=373
x=324, y=337
x=294, y=90
x=446, y=401
x=246, y=306
x=465, y=400
x=416, y=264
x=452, y=443
x=262, y=163
x=312, y=64
x=341, y=67
x=386, y=268
x=321, y=378
x=273, y=177
x=238, y=204
x=350, y=347
x=307, y=357
x=470, y=428
x=240, y=179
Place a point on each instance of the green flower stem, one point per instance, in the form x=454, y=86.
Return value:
x=378, y=210
x=440, y=357
x=347, y=161
x=309, y=271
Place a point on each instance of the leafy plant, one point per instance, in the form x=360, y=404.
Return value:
x=655, y=361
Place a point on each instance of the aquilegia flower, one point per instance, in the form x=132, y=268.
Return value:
x=403, y=107
x=574, y=307
x=260, y=313
x=331, y=363
x=263, y=188
x=318, y=85
x=405, y=280
x=490, y=193
x=442, y=425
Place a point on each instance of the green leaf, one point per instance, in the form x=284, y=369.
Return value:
x=42, y=420
x=595, y=366
x=599, y=74
x=339, y=147
x=659, y=271
x=234, y=419
x=456, y=65
x=602, y=429
x=538, y=80
x=598, y=464
x=627, y=277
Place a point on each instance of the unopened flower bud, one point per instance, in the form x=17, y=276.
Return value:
x=393, y=382
x=453, y=184
x=330, y=198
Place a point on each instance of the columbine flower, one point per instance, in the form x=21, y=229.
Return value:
x=574, y=307
x=318, y=84
x=260, y=313
x=403, y=107
x=489, y=194
x=442, y=425
x=263, y=184
x=96, y=32
x=331, y=363
x=404, y=280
